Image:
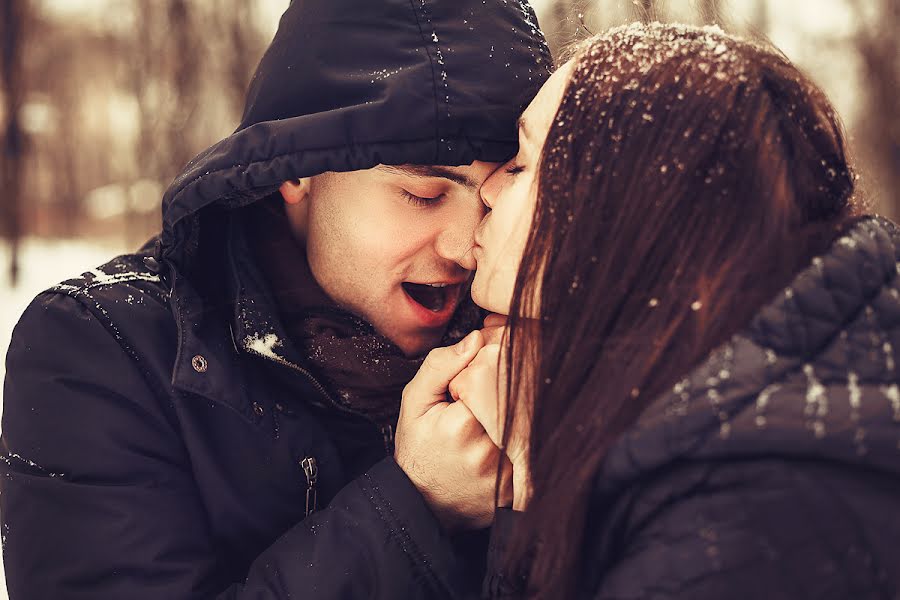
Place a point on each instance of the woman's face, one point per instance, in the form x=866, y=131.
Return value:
x=510, y=194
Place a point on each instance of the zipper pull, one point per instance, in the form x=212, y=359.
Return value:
x=387, y=433
x=311, y=470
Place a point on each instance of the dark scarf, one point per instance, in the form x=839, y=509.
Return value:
x=364, y=371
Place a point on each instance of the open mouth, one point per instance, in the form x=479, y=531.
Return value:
x=434, y=297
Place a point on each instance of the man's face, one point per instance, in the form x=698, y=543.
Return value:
x=391, y=244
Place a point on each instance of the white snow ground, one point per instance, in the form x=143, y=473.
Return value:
x=43, y=264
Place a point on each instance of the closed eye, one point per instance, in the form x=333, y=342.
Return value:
x=514, y=169
x=420, y=201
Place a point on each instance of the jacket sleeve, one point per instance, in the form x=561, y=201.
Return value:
x=761, y=529
x=336, y=553
x=98, y=499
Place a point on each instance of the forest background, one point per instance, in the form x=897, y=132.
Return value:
x=102, y=102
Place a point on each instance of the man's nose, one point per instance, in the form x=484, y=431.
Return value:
x=456, y=238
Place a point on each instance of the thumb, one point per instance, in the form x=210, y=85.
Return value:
x=430, y=384
x=495, y=320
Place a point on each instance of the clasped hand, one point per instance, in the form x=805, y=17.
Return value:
x=450, y=450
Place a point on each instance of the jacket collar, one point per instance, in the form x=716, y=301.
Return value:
x=214, y=341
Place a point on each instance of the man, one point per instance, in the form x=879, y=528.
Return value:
x=213, y=416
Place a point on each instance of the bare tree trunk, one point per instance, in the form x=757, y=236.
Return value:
x=12, y=26
x=761, y=17
x=879, y=49
x=71, y=194
x=186, y=79
x=243, y=53
x=143, y=75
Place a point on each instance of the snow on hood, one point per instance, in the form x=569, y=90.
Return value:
x=348, y=85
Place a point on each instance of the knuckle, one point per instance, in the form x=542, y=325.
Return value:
x=432, y=360
x=462, y=381
x=455, y=423
x=488, y=460
x=489, y=355
x=472, y=429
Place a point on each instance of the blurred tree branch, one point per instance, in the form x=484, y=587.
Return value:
x=562, y=30
x=188, y=55
x=761, y=17
x=647, y=10
x=13, y=17
x=234, y=19
x=877, y=45
x=710, y=11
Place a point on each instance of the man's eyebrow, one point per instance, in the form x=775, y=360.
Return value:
x=433, y=171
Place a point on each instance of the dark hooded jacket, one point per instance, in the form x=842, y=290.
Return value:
x=773, y=469
x=157, y=442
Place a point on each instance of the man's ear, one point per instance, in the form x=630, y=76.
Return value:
x=295, y=191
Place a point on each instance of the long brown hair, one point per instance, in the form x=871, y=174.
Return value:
x=687, y=177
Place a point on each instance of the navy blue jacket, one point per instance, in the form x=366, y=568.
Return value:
x=154, y=445
x=773, y=469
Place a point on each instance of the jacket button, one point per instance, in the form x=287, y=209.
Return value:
x=199, y=363
x=152, y=264
x=258, y=409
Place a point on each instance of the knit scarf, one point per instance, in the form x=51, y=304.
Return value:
x=364, y=371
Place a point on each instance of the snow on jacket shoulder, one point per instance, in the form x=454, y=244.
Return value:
x=116, y=487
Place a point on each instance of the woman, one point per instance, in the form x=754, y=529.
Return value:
x=701, y=334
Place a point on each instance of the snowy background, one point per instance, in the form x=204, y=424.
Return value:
x=104, y=89
x=45, y=263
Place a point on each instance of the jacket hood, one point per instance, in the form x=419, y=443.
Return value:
x=347, y=85
x=813, y=376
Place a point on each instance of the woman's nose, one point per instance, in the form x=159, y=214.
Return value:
x=488, y=190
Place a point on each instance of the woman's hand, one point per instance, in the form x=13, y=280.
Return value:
x=481, y=386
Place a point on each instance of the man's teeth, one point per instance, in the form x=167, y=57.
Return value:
x=432, y=296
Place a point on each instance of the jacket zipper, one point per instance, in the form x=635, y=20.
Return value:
x=311, y=470
x=309, y=376
x=387, y=430
x=387, y=433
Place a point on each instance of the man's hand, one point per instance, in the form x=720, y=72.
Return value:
x=443, y=448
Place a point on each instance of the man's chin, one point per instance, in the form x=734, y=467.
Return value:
x=416, y=345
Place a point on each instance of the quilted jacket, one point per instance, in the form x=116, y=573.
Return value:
x=771, y=471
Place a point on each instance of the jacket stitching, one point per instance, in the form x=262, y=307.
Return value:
x=107, y=323
x=401, y=536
